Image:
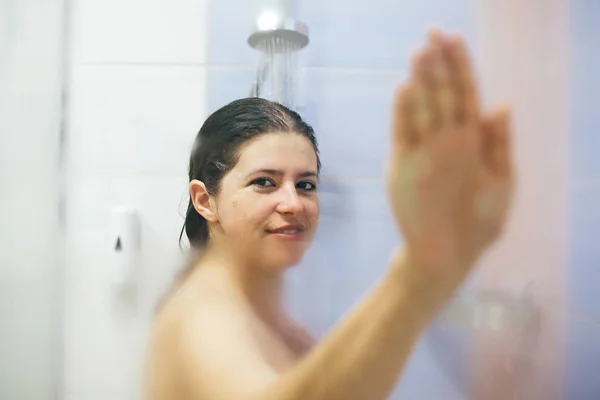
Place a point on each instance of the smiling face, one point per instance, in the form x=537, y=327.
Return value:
x=267, y=207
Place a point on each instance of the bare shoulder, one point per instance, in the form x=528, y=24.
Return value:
x=206, y=336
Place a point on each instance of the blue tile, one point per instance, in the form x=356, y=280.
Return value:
x=365, y=34
x=424, y=379
x=585, y=89
x=585, y=15
x=226, y=85
x=377, y=233
x=582, y=352
x=584, y=270
x=377, y=33
x=231, y=22
x=585, y=95
x=450, y=348
x=351, y=116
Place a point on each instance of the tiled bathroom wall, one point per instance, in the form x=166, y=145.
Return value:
x=137, y=98
x=31, y=271
x=583, y=339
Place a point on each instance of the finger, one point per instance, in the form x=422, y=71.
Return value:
x=497, y=131
x=463, y=75
x=403, y=135
x=422, y=117
x=445, y=97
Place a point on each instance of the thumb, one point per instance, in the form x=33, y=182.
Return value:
x=497, y=141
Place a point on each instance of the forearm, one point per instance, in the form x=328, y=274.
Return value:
x=364, y=355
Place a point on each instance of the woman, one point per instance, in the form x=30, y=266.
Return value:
x=223, y=334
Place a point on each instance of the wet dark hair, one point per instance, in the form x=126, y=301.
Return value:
x=217, y=145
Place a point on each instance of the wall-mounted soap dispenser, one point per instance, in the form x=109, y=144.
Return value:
x=125, y=243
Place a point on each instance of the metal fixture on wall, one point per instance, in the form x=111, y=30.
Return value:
x=278, y=36
x=498, y=315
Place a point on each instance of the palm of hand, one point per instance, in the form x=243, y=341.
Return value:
x=450, y=176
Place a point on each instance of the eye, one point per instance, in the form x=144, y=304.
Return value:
x=263, y=183
x=307, y=186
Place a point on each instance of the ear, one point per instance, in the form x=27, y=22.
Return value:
x=202, y=201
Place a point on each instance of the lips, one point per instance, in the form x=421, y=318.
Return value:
x=288, y=229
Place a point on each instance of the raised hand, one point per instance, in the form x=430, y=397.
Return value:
x=450, y=178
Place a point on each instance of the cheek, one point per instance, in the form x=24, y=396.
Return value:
x=312, y=209
x=244, y=213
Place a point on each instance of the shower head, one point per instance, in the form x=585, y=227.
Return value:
x=278, y=37
x=277, y=33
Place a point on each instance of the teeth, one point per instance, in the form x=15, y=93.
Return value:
x=288, y=231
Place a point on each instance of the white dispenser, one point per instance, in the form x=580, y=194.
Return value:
x=124, y=242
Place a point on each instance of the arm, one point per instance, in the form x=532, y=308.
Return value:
x=364, y=355
x=360, y=359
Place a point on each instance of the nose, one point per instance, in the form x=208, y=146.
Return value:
x=289, y=202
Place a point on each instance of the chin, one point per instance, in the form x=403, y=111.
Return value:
x=282, y=259
x=280, y=253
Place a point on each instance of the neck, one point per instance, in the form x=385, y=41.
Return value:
x=262, y=289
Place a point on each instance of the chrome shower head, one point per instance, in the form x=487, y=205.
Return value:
x=278, y=37
x=272, y=27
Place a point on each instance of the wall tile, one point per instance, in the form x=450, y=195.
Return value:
x=138, y=31
x=585, y=86
x=229, y=32
x=584, y=20
x=584, y=274
x=585, y=97
x=582, y=349
x=582, y=360
x=29, y=307
x=135, y=119
x=351, y=116
x=375, y=34
x=92, y=395
x=226, y=85
x=105, y=327
x=376, y=231
x=31, y=58
x=423, y=379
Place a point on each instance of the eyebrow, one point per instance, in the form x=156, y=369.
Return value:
x=305, y=174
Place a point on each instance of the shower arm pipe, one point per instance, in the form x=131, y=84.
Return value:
x=288, y=7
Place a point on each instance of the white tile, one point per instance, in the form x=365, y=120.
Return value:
x=29, y=337
x=92, y=395
x=105, y=332
x=140, y=31
x=135, y=119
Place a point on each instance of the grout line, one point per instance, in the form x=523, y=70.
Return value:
x=577, y=183
x=232, y=67
x=63, y=178
x=138, y=64
x=357, y=70
x=183, y=174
